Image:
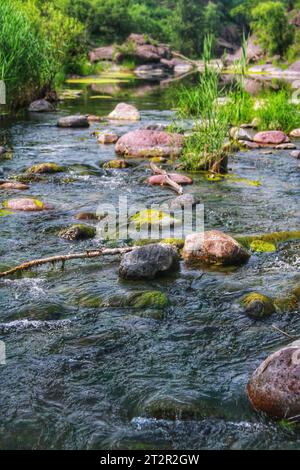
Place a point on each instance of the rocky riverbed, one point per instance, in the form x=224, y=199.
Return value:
x=97, y=358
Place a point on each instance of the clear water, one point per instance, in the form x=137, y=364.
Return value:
x=81, y=378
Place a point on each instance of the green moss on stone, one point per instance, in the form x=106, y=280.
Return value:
x=260, y=246
x=78, y=232
x=273, y=238
x=258, y=305
x=154, y=299
x=149, y=217
x=45, y=168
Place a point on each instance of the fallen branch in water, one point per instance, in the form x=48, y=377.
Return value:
x=167, y=179
x=63, y=258
x=284, y=333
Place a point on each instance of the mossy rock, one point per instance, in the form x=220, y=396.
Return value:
x=178, y=242
x=151, y=299
x=258, y=306
x=158, y=160
x=273, y=238
x=28, y=178
x=116, y=164
x=172, y=409
x=148, y=217
x=287, y=304
x=48, y=168
x=78, y=232
x=88, y=301
x=259, y=246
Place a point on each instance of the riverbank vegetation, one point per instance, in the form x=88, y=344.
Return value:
x=41, y=41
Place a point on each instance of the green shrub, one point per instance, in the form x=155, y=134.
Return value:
x=271, y=25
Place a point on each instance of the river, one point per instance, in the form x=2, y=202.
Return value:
x=78, y=376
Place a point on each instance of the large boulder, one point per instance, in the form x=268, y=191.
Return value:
x=147, y=143
x=102, y=53
x=295, y=67
x=271, y=138
x=125, y=112
x=274, y=387
x=148, y=262
x=254, y=52
x=41, y=106
x=147, y=53
x=214, y=247
x=138, y=39
x=25, y=204
x=77, y=121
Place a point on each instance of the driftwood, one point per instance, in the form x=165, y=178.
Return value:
x=63, y=258
x=167, y=179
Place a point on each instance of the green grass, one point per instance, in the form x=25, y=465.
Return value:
x=23, y=55
x=278, y=112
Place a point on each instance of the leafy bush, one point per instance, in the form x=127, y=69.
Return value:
x=270, y=24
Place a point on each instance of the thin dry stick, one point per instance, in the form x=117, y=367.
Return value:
x=284, y=333
x=167, y=178
x=63, y=258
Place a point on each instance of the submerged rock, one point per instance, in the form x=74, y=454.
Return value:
x=149, y=217
x=86, y=216
x=295, y=134
x=116, y=164
x=258, y=306
x=41, y=168
x=146, y=143
x=177, y=178
x=25, y=204
x=274, y=387
x=73, y=122
x=271, y=137
x=180, y=202
x=2, y=150
x=148, y=262
x=169, y=408
x=78, y=232
x=41, y=106
x=125, y=112
x=14, y=185
x=107, y=138
x=214, y=247
x=148, y=299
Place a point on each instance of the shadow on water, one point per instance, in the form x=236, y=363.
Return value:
x=87, y=370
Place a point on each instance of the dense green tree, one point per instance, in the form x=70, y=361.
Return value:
x=270, y=24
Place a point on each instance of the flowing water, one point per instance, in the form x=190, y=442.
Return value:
x=82, y=376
